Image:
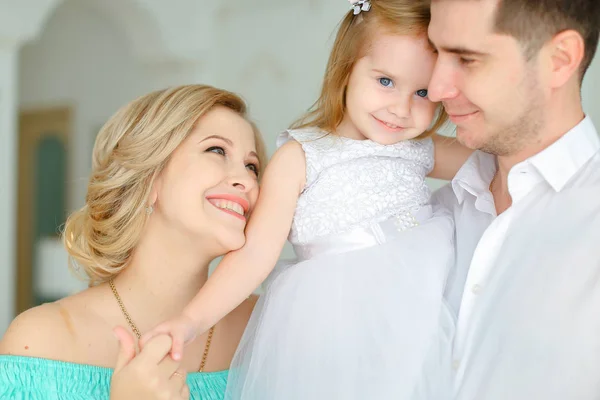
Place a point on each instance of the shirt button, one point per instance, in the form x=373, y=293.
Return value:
x=455, y=365
x=476, y=289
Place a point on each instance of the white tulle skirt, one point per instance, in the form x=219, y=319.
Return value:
x=368, y=323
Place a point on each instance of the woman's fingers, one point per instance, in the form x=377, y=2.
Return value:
x=155, y=350
x=178, y=380
x=126, y=347
x=185, y=392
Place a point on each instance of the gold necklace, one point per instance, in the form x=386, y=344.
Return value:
x=137, y=333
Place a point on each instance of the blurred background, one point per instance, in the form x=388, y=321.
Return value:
x=67, y=65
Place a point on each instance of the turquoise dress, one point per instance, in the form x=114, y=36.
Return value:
x=29, y=378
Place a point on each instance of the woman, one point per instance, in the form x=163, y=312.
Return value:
x=175, y=176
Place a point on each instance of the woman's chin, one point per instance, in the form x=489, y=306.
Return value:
x=232, y=242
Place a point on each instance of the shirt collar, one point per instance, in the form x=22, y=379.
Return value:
x=560, y=161
x=474, y=176
x=557, y=164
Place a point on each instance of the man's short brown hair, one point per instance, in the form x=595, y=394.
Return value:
x=534, y=22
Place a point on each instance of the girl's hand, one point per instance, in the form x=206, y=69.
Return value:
x=182, y=331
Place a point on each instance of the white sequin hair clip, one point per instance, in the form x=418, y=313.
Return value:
x=360, y=5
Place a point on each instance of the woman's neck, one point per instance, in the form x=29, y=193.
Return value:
x=165, y=273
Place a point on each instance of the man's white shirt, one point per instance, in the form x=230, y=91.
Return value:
x=526, y=285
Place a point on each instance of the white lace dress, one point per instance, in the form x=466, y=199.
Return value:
x=359, y=314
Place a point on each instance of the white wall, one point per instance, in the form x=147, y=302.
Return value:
x=591, y=90
x=275, y=58
x=8, y=151
x=84, y=59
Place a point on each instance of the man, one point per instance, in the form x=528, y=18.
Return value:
x=526, y=287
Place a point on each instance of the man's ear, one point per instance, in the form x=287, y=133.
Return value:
x=566, y=51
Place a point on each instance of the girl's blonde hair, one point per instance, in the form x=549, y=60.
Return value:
x=396, y=17
x=130, y=151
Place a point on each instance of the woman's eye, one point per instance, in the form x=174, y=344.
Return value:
x=253, y=168
x=386, y=82
x=216, y=149
x=422, y=93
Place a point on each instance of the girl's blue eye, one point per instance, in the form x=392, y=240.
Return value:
x=386, y=82
x=422, y=93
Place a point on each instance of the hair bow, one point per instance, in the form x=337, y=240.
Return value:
x=360, y=5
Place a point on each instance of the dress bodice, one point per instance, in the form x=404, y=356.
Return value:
x=353, y=183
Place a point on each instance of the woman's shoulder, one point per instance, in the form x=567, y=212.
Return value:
x=62, y=330
x=44, y=331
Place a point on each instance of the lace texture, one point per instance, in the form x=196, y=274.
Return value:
x=352, y=183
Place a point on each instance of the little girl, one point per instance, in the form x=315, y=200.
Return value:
x=359, y=314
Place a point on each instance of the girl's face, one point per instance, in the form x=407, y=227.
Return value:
x=210, y=184
x=386, y=97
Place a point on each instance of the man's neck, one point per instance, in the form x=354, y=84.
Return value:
x=561, y=116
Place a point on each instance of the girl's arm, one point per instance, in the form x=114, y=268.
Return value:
x=241, y=271
x=449, y=157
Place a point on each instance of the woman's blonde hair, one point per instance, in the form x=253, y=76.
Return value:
x=130, y=151
x=396, y=17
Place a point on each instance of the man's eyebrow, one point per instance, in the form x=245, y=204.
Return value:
x=463, y=51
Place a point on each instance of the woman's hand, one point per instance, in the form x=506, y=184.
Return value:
x=152, y=374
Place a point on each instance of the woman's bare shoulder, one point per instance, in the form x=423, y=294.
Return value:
x=44, y=331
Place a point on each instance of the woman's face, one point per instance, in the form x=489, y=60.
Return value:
x=210, y=184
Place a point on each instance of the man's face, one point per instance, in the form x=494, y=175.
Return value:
x=490, y=90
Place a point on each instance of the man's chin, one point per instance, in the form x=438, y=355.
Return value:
x=468, y=138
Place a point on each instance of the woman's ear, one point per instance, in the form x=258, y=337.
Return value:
x=153, y=196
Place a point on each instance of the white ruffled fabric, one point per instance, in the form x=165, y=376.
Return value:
x=360, y=313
